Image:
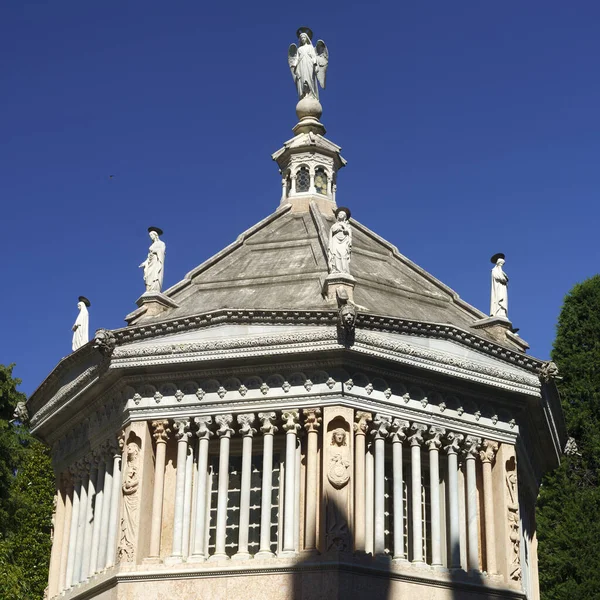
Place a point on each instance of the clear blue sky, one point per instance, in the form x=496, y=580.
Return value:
x=469, y=128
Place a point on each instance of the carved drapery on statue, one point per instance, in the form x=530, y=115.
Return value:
x=337, y=495
x=81, y=333
x=154, y=265
x=513, y=519
x=499, y=300
x=340, y=242
x=131, y=503
x=308, y=64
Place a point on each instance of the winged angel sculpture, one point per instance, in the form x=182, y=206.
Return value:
x=308, y=64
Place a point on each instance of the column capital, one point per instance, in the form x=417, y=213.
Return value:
x=245, y=422
x=416, y=438
x=161, y=431
x=454, y=440
x=381, y=426
x=267, y=427
x=121, y=440
x=434, y=437
x=470, y=447
x=488, y=450
x=362, y=419
x=223, y=421
x=290, y=418
x=399, y=427
x=203, y=432
x=312, y=419
x=182, y=429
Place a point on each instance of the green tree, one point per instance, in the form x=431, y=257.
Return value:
x=568, y=510
x=26, y=495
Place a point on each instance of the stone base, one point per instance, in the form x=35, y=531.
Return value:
x=333, y=281
x=502, y=330
x=151, y=304
x=307, y=124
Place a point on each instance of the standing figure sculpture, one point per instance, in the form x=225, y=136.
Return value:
x=340, y=242
x=81, y=327
x=155, y=263
x=308, y=64
x=499, y=303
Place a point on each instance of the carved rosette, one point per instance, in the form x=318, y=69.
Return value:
x=267, y=427
x=203, y=431
x=224, y=422
x=161, y=431
x=362, y=420
x=488, y=450
x=312, y=419
x=245, y=422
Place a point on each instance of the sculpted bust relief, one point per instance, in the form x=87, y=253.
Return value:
x=154, y=265
x=499, y=302
x=340, y=242
x=308, y=64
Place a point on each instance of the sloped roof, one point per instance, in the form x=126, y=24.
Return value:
x=281, y=264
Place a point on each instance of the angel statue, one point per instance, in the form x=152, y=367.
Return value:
x=308, y=64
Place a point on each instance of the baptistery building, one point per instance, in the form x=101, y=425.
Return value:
x=306, y=415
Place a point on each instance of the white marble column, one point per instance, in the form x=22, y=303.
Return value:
x=399, y=428
x=70, y=570
x=453, y=445
x=291, y=427
x=380, y=432
x=89, y=519
x=160, y=435
x=369, y=497
x=268, y=430
x=361, y=426
x=470, y=449
x=115, y=497
x=64, y=550
x=105, y=521
x=416, y=439
x=487, y=455
x=245, y=422
x=283, y=189
x=181, y=427
x=204, y=434
x=83, y=503
x=434, y=444
x=312, y=422
x=98, y=509
x=224, y=432
x=187, y=503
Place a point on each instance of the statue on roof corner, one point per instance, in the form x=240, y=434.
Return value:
x=499, y=301
x=308, y=64
x=81, y=334
x=154, y=265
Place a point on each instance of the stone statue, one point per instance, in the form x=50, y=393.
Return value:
x=308, y=64
x=81, y=333
x=499, y=303
x=154, y=265
x=20, y=413
x=548, y=372
x=340, y=242
x=348, y=317
x=105, y=341
x=336, y=498
x=130, y=505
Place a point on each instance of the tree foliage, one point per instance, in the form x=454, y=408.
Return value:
x=568, y=514
x=26, y=496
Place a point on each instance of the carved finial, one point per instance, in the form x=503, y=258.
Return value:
x=202, y=423
x=362, y=422
x=267, y=427
x=381, y=426
x=223, y=421
x=245, y=421
x=434, y=441
x=488, y=451
x=312, y=419
x=290, y=418
x=416, y=439
x=161, y=431
x=399, y=429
